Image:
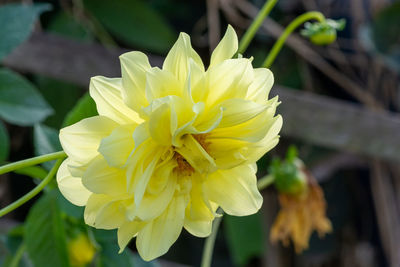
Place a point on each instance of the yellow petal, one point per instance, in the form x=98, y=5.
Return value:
x=195, y=154
x=227, y=80
x=126, y=232
x=160, y=124
x=117, y=147
x=133, y=68
x=161, y=83
x=226, y=48
x=158, y=235
x=237, y=111
x=152, y=205
x=81, y=140
x=235, y=190
x=261, y=86
x=197, y=227
x=104, y=212
x=177, y=60
x=106, y=92
x=198, y=208
x=100, y=178
x=71, y=187
x=252, y=130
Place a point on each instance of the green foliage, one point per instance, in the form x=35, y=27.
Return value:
x=133, y=22
x=17, y=23
x=245, y=237
x=45, y=233
x=36, y=172
x=45, y=141
x=64, y=24
x=86, y=107
x=4, y=143
x=20, y=102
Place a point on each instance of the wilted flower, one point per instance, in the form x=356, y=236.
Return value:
x=171, y=145
x=303, y=206
x=80, y=250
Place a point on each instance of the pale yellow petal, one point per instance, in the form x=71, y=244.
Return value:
x=117, y=147
x=158, y=235
x=252, y=130
x=127, y=231
x=133, y=68
x=235, y=190
x=81, y=140
x=177, y=60
x=160, y=124
x=100, y=178
x=261, y=86
x=226, y=48
x=237, y=111
x=230, y=79
x=106, y=92
x=71, y=187
x=152, y=205
x=198, y=228
x=161, y=83
x=104, y=212
x=195, y=154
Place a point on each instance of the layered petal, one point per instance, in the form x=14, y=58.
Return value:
x=106, y=92
x=81, y=140
x=71, y=187
x=133, y=69
x=226, y=48
x=158, y=235
x=260, y=87
x=235, y=190
x=178, y=59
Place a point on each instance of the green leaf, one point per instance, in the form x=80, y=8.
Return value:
x=65, y=24
x=109, y=256
x=134, y=22
x=17, y=23
x=45, y=140
x=4, y=143
x=86, y=107
x=45, y=233
x=53, y=90
x=245, y=237
x=20, y=102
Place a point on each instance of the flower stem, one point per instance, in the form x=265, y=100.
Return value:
x=209, y=244
x=289, y=29
x=33, y=192
x=255, y=25
x=18, y=255
x=32, y=161
x=265, y=181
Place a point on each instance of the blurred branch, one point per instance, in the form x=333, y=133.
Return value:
x=312, y=118
x=307, y=53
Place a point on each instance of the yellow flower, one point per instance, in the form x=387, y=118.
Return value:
x=171, y=145
x=81, y=251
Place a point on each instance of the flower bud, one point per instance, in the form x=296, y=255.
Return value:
x=323, y=33
x=81, y=251
x=289, y=176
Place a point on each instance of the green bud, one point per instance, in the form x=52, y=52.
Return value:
x=289, y=175
x=323, y=33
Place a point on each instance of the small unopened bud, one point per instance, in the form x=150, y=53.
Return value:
x=81, y=250
x=289, y=175
x=323, y=33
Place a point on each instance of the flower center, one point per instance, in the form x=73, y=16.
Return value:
x=183, y=167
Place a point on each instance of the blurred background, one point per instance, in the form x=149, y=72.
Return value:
x=340, y=106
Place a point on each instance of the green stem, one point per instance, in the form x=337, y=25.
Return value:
x=32, y=161
x=300, y=20
x=265, y=181
x=255, y=25
x=209, y=244
x=18, y=256
x=33, y=192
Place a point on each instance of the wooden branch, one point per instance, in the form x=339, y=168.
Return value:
x=311, y=118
